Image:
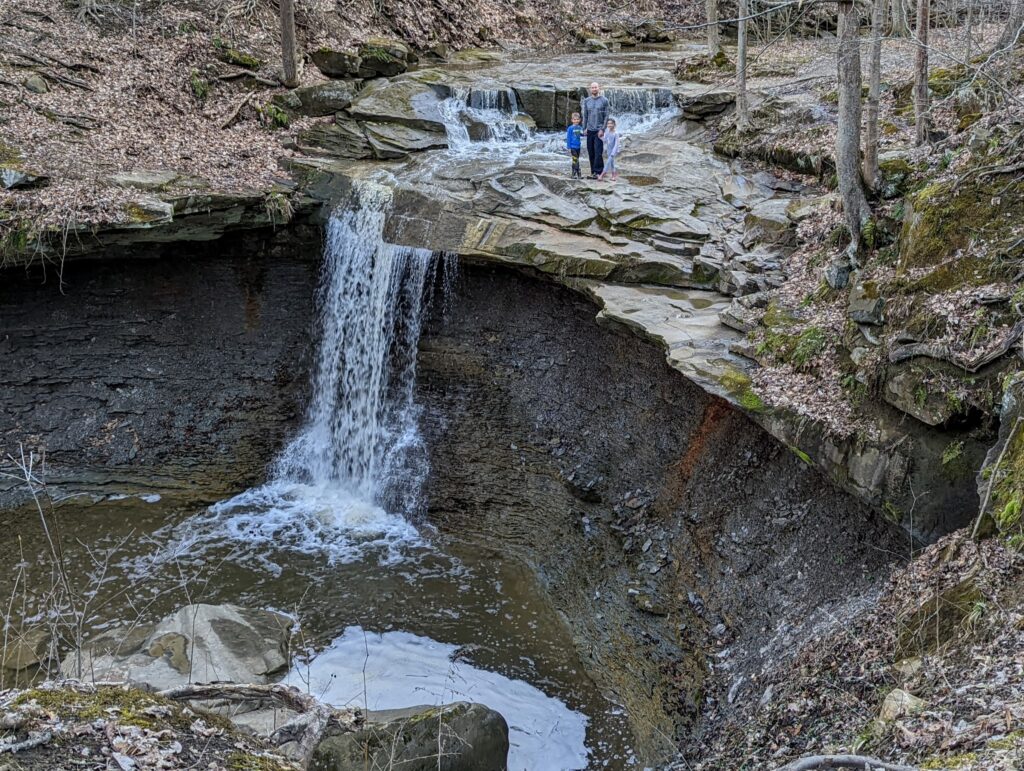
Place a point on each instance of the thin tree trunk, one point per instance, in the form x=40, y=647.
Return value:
x=969, y=32
x=1013, y=32
x=714, y=35
x=855, y=205
x=921, y=72
x=874, y=92
x=290, y=60
x=899, y=23
x=742, y=110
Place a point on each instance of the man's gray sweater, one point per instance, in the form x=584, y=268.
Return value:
x=595, y=113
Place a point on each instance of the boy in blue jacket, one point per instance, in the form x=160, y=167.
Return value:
x=573, y=143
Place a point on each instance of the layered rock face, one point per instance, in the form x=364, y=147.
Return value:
x=666, y=525
x=187, y=369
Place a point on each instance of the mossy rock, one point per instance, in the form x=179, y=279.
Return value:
x=967, y=121
x=1002, y=478
x=470, y=736
x=239, y=58
x=739, y=387
x=941, y=220
x=943, y=81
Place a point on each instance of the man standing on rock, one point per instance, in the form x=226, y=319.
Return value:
x=595, y=113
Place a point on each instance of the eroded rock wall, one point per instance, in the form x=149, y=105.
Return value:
x=666, y=526
x=188, y=370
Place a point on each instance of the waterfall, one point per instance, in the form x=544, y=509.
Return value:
x=637, y=110
x=483, y=119
x=354, y=473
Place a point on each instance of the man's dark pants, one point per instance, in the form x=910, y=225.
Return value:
x=595, y=150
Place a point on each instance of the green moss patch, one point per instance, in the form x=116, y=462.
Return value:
x=783, y=339
x=1006, y=500
x=739, y=386
x=235, y=56
x=132, y=706
x=942, y=221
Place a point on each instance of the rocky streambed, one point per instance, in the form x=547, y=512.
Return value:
x=614, y=533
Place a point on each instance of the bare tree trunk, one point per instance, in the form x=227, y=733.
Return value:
x=874, y=91
x=714, y=34
x=969, y=32
x=1013, y=32
x=899, y=25
x=855, y=205
x=921, y=72
x=742, y=110
x=291, y=65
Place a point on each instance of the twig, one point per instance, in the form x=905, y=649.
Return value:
x=56, y=77
x=234, y=113
x=83, y=122
x=33, y=741
x=251, y=75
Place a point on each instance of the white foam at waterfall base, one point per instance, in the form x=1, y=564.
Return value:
x=395, y=669
x=351, y=480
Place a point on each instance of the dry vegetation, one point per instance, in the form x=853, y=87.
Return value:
x=946, y=629
x=149, y=85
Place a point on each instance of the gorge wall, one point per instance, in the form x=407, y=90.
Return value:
x=185, y=372
x=670, y=530
x=685, y=547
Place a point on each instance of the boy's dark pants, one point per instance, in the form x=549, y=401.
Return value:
x=595, y=149
x=575, y=153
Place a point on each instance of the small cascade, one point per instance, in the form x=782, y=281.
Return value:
x=484, y=118
x=637, y=110
x=354, y=474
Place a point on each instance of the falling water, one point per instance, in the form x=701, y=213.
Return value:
x=353, y=475
x=484, y=118
x=637, y=110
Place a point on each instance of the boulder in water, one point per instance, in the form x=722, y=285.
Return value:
x=198, y=643
x=457, y=737
x=436, y=52
x=25, y=654
x=549, y=107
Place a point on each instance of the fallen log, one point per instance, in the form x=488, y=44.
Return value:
x=858, y=762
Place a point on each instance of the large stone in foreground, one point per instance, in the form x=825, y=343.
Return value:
x=411, y=101
x=196, y=644
x=457, y=737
